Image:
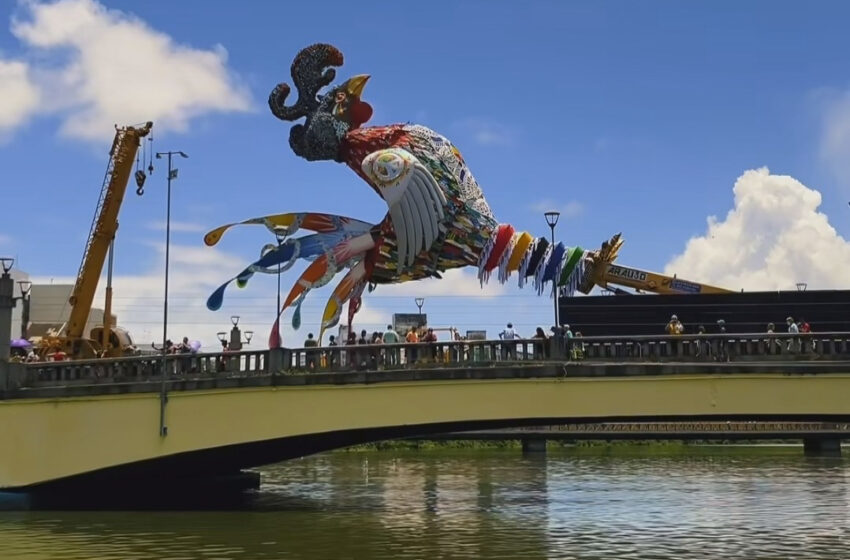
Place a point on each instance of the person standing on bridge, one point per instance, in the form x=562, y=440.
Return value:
x=391, y=354
x=332, y=355
x=311, y=354
x=793, y=342
x=509, y=335
x=674, y=328
x=722, y=353
x=411, y=339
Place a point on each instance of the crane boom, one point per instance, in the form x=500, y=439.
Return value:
x=601, y=271
x=653, y=282
x=121, y=158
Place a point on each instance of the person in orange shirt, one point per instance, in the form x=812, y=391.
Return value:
x=411, y=338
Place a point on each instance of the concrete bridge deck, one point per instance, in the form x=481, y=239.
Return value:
x=101, y=421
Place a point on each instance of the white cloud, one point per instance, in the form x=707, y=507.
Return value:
x=835, y=133
x=183, y=227
x=455, y=282
x=487, y=132
x=111, y=67
x=19, y=94
x=570, y=209
x=772, y=238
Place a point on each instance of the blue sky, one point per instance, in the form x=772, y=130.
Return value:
x=632, y=117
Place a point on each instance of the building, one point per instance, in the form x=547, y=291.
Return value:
x=744, y=312
x=50, y=310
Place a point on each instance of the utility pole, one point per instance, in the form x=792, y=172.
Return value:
x=172, y=174
x=552, y=221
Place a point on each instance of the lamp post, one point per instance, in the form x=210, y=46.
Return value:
x=7, y=302
x=280, y=238
x=420, y=301
x=172, y=174
x=236, y=342
x=26, y=287
x=552, y=220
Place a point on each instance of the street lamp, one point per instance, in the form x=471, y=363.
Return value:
x=26, y=287
x=236, y=341
x=172, y=174
x=552, y=220
x=420, y=301
x=7, y=302
x=801, y=286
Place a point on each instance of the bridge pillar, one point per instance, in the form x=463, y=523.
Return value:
x=822, y=447
x=533, y=445
x=276, y=360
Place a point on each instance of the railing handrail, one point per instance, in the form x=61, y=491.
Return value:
x=449, y=343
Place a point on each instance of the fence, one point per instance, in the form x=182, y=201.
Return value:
x=639, y=349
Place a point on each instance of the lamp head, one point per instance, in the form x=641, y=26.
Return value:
x=7, y=263
x=248, y=336
x=183, y=154
x=234, y=319
x=222, y=336
x=420, y=301
x=552, y=217
x=26, y=286
x=158, y=155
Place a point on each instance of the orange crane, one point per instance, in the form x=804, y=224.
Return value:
x=602, y=272
x=106, y=340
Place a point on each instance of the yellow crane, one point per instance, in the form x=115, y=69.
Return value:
x=106, y=340
x=602, y=272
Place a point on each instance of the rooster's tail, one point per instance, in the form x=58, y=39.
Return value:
x=538, y=261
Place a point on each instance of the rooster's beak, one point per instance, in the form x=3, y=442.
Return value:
x=355, y=85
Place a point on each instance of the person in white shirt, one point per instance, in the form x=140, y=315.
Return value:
x=509, y=350
x=793, y=343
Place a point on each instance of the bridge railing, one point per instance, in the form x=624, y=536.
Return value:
x=364, y=358
x=147, y=368
x=690, y=348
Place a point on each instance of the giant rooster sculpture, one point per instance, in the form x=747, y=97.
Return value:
x=437, y=217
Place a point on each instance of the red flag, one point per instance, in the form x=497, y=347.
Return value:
x=274, y=338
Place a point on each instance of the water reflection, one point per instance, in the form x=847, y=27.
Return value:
x=484, y=504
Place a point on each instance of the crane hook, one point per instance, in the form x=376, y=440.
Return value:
x=140, y=181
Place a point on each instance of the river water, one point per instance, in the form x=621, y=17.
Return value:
x=668, y=502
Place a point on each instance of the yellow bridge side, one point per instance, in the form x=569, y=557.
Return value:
x=48, y=439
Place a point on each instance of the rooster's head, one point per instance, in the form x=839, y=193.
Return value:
x=329, y=116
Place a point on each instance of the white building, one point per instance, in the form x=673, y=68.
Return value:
x=49, y=309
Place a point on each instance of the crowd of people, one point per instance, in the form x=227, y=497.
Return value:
x=675, y=327
x=417, y=345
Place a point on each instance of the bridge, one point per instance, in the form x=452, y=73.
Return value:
x=130, y=420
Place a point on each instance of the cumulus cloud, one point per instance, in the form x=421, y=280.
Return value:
x=19, y=94
x=98, y=67
x=773, y=237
